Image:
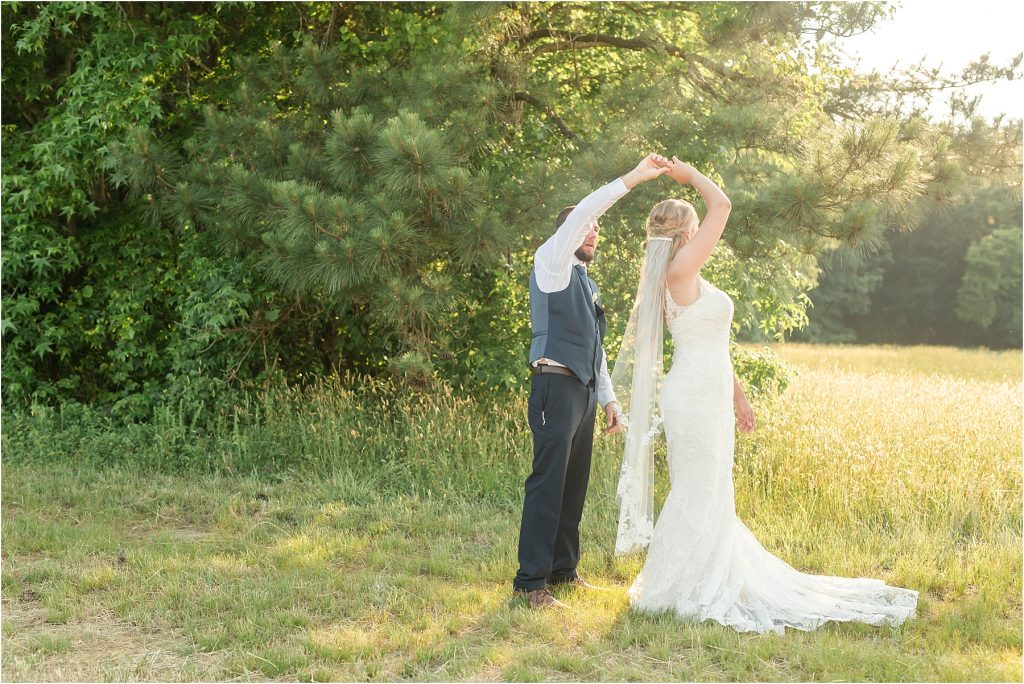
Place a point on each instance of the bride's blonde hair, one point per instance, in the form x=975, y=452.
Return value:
x=673, y=218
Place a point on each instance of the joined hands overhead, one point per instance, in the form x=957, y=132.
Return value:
x=654, y=165
x=680, y=171
x=649, y=168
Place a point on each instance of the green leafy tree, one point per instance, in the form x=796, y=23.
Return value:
x=911, y=290
x=73, y=74
x=98, y=305
x=990, y=294
x=849, y=279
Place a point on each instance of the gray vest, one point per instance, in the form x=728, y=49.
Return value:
x=568, y=325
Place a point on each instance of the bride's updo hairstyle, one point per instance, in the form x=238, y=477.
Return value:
x=673, y=218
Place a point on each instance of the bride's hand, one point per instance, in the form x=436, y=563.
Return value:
x=681, y=172
x=745, y=420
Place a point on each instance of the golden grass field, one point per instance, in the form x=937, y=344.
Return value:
x=383, y=548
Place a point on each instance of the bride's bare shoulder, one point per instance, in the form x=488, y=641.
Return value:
x=684, y=288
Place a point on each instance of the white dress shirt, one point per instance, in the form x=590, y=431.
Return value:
x=555, y=259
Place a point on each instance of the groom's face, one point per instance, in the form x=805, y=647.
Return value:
x=586, y=251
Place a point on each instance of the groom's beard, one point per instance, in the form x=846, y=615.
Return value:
x=585, y=257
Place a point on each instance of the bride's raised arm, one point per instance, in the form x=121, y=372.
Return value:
x=692, y=255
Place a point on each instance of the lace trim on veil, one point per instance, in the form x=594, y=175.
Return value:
x=636, y=378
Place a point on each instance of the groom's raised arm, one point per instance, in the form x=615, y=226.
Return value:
x=553, y=261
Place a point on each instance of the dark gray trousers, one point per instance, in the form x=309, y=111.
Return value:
x=561, y=415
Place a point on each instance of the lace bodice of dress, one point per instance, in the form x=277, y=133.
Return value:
x=700, y=331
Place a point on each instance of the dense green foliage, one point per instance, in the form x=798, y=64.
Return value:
x=199, y=194
x=98, y=305
x=990, y=294
x=956, y=279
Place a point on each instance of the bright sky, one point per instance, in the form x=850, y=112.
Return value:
x=950, y=35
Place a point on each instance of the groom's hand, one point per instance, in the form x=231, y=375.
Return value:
x=611, y=412
x=652, y=166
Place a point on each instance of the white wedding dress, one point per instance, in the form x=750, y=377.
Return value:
x=703, y=563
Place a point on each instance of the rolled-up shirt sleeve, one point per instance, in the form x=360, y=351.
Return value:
x=553, y=260
x=605, y=391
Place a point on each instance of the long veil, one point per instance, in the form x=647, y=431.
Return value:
x=636, y=378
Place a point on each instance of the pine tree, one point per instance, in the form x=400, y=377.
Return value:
x=361, y=186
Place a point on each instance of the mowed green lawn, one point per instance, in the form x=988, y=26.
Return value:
x=897, y=463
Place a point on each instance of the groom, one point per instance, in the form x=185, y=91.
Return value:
x=570, y=377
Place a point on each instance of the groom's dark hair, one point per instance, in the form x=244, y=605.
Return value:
x=562, y=215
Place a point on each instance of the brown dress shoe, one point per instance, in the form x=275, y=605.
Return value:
x=542, y=598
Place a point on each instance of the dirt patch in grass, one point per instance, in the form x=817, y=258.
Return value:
x=98, y=647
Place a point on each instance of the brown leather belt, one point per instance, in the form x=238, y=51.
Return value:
x=557, y=370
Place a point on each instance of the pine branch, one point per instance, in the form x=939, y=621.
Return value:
x=568, y=40
x=563, y=127
x=329, y=35
x=873, y=93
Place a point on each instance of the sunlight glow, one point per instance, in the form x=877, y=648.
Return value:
x=949, y=35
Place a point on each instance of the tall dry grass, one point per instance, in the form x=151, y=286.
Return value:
x=359, y=533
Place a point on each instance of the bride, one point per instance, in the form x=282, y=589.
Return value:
x=702, y=562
